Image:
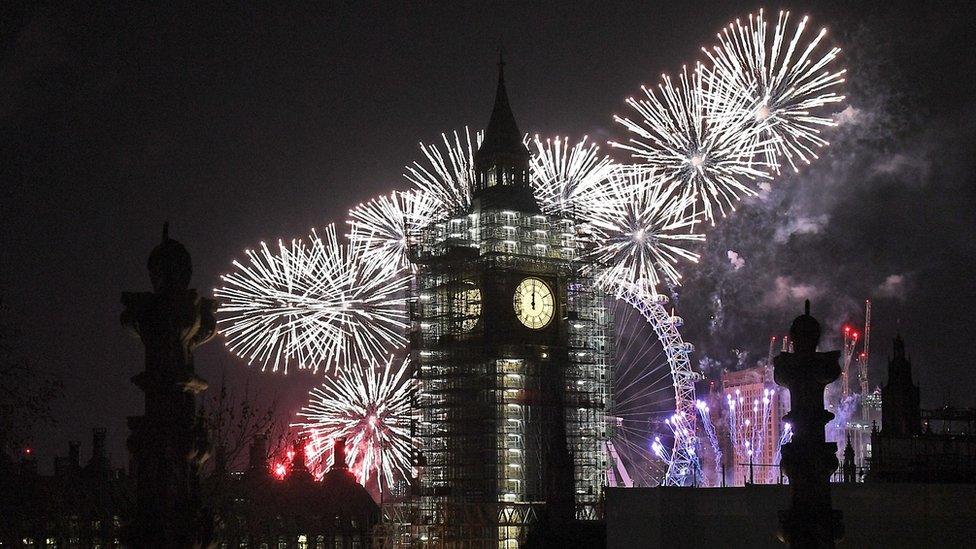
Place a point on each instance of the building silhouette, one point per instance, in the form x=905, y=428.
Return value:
x=77, y=506
x=512, y=351
x=902, y=451
x=900, y=411
x=255, y=508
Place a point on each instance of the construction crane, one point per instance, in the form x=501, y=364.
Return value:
x=862, y=363
x=850, y=341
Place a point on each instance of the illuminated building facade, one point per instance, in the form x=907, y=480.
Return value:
x=512, y=344
x=755, y=407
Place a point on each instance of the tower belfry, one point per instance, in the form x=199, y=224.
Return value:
x=502, y=161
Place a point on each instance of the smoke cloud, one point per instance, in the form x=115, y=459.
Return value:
x=736, y=260
x=880, y=203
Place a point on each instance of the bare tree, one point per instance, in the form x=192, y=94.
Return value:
x=25, y=392
x=234, y=418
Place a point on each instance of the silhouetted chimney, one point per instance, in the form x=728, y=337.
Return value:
x=61, y=467
x=258, y=454
x=74, y=455
x=28, y=465
x=339, y=454
x=98, y=444
x=299, y=471
x=98, y=465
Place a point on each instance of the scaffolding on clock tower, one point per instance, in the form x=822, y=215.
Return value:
x=510, y=418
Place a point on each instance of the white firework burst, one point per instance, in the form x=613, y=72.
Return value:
x=781, y=79
x=566, y=179
x=641, y=229
x=709, y=153
x=447, y=177
x=313, y=305
x=386, y=226
x=370, y=408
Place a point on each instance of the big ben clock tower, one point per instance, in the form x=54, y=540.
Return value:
x=511, y=339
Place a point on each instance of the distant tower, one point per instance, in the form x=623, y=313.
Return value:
x=850, y=469
x=512, y=357
x=900, y=413
x=168, y=443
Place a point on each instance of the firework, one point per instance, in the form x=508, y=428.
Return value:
x=567, y=180
x=370, y=408
x=711, y=154
x=311, y=305
x=780, y=79
x=706, y=421
x=750, y=424
x=447, y=177
x=641, y=227
x=385, y=226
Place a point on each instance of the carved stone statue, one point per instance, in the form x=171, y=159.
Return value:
x=808, y=460
x=168, y=443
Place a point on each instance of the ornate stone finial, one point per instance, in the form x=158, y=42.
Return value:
x=169, y=265
x=169, y=443
x=808, y=460
x=805, y=331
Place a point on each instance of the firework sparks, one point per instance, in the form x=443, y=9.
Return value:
x=447, y=177
x=385, y=227
x=567, y=180
x=641, y=227
x=370, y=408
x=710, y=154
x=782, y=81
x=311, y=305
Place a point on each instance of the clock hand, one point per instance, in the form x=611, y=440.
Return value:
x=533, y=298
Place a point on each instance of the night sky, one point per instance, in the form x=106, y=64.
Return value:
x=238, y=125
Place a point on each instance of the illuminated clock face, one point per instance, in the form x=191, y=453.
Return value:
x=467, y=303
x=534, y=305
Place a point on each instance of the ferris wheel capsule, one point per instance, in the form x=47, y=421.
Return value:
x=677, y=321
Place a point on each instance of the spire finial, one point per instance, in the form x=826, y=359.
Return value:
x=501, y=66
x=806, y=307
x=165, y=231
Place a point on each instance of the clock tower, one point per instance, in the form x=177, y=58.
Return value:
x=511, y=339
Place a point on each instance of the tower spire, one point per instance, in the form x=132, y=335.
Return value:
x=502, y=160
x=502, y=134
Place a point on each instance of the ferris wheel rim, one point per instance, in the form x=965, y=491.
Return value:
x=683, y=461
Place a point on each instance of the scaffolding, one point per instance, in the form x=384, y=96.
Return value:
x=511, y=421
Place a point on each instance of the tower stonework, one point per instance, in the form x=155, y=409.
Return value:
x=900, y=413
x=513, y=359
x=167, y=443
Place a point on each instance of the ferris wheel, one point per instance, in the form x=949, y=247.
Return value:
x=653, y=419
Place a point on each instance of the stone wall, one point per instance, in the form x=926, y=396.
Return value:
x=875, y=515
